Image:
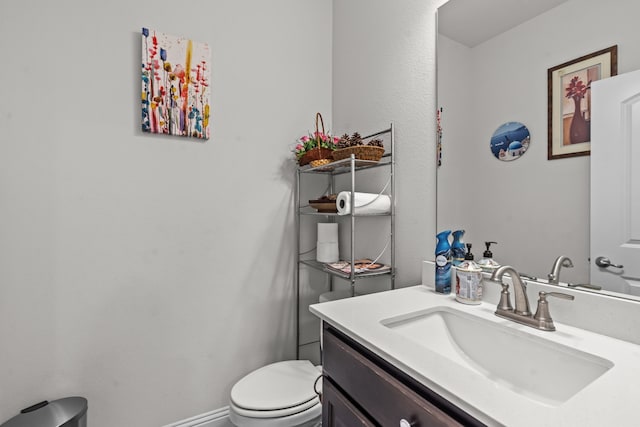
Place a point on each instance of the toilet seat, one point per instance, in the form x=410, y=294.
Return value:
x=306, y=418
x=280, y=389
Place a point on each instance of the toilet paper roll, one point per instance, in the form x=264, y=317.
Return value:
x=327, y=232
x=365, y=203
x=327, y=252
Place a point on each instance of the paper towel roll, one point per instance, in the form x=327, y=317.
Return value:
x=365, y=203
x=327, y=232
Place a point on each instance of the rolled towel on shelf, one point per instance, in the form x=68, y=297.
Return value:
x=365, y=203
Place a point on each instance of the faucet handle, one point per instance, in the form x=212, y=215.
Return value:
x=505, y=298
x=562, y=295
x=542, y=315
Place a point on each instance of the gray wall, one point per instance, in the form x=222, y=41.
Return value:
x=384, y=70
x=148, y=273
x=536, y=209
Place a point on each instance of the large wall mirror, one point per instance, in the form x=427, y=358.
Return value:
x=493, y=57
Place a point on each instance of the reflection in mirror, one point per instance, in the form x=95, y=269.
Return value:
x=510, y=141
x=536, y=209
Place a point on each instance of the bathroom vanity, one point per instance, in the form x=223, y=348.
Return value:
x=412, y=357
x=383, y=394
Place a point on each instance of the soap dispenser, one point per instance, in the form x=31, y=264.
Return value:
x=469, y=280
x=487, y=263
x=443, y=262
x=457, y=247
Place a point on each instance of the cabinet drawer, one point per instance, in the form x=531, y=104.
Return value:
x=381, y=395
x=338, y=411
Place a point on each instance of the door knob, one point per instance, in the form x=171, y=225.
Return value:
x=604, y=262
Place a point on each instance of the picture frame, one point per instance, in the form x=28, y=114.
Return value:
x=569, y=101
x=175, y=79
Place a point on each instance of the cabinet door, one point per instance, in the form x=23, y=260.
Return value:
x=337, y=411
x=381, y=396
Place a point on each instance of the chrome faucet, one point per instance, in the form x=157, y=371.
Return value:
x=519, y=288
x=522, y=314
x=561, y=261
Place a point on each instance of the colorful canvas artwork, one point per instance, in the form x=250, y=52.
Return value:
x=175, y=85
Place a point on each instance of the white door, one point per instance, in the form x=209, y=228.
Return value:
x=615, y=183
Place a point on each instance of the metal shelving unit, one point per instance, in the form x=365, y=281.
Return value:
x=349, y=166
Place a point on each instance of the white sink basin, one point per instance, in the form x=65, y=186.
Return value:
x=537, y=368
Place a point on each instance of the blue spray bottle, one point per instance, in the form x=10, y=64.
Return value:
x=457, y=248
x=443, y=263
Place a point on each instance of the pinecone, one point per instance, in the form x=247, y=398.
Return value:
x=344, y=141
x=376, y=143
x=355, y=139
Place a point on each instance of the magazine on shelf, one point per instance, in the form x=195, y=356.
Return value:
x=364, y=265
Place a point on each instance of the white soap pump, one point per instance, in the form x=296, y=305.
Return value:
x=487, y=263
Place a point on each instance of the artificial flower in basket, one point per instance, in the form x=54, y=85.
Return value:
x=315, y=148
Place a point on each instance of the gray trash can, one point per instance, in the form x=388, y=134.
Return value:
x=67, y=412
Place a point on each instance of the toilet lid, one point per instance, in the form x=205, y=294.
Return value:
x=276, y=387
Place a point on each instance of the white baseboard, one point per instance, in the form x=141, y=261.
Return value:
x=216, y=418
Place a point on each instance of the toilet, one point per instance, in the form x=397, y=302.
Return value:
x=280, y=394
x=277, y=395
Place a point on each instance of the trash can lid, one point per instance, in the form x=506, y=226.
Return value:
x=50, y=414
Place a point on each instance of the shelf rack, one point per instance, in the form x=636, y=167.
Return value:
x=350, y=166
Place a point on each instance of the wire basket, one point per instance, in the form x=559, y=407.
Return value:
x=362, y=152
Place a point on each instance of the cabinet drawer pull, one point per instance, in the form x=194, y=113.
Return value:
x=405, y=423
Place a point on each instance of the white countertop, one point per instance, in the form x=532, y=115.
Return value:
x=610, y=400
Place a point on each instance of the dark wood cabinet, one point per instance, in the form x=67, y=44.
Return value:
x=338, y=411
x=361, y=389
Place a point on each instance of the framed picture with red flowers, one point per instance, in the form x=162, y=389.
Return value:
x=569, y=101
